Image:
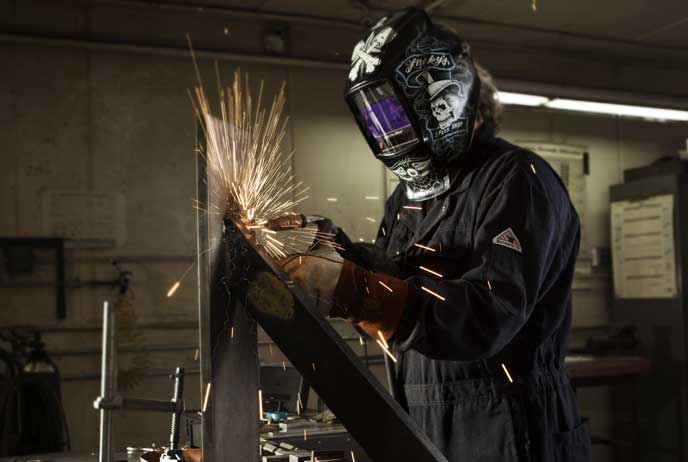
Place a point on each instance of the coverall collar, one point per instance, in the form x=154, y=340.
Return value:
x=435, y=209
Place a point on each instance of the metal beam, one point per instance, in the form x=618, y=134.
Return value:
x=158, y=50
x=228, y=344
x=237, y=278
x=372, y=417
x=237, y=13
x=613, y=96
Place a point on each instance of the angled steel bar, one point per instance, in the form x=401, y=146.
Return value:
x=228, y=342
x=366, y=409
x=240, y=282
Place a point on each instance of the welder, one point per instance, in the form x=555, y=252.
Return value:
x=470, y=277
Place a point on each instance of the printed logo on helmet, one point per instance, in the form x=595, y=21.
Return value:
x=366, y=55
x=418, y=176
x=411, y=69
x=441, y=104
x=446, y=103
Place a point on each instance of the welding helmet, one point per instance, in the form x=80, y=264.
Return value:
x=413, y=89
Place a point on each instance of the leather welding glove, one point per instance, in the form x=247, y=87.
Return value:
x=316, y=274
x=344, y=289
x=373, y=258
x=374, y=301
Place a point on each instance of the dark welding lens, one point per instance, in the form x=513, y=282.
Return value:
x=384, y=119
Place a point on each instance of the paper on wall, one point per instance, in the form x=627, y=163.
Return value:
x=567, y=161
x=85, y=219
x=643, y=253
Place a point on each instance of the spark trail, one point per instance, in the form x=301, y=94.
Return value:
x=245, y=158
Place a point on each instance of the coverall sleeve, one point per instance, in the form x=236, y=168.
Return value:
x=391, y=205
x=476, y=319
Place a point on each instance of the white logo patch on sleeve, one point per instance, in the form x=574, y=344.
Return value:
x=508, y=238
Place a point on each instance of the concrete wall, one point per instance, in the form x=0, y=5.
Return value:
x=73, y=119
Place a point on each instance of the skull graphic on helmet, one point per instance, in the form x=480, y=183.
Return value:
x=445, y=108
x=413, y=90
x=410, y=169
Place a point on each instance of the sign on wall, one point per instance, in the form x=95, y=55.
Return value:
x=643, y=252
x=567, y=160
x=85, y=219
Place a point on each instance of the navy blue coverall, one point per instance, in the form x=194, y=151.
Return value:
x=505, y=240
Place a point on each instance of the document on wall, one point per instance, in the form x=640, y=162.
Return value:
x=643, y=253
x=85, y=219
x=567, y=161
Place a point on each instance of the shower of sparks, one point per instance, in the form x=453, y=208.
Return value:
x=360, y=340
x=305, y=434
x=299, y=403
x=411, y=207
x=398, y=216
x=244, y=155
x=489, y=286
x=270, y=348
x=260, y=404
x=428, y=270
x=424, y=247
x=387, y=352
x=313, y=364
x=385, y=286
x=434, y=294
x=372, y=198
x=176, y=285
x=353, y=457
x=506, y=371
x=207, y=396
x=384, y=233
x=197, y=354
x=372, y=220
x=382, y=338
x=284, y=366
x=532, y=167
x=331, y=199
x=173, y=289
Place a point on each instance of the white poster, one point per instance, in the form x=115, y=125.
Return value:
x=643, y=248
x=85, y=219
x=567, y=161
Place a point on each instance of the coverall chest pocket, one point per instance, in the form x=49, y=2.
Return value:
x=454, y=239
x=471, y=428
x=400, y=236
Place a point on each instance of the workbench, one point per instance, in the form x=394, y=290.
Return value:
x=592, y=371
x=584, y=371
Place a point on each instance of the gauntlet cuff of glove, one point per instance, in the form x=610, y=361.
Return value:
x=374, y=298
